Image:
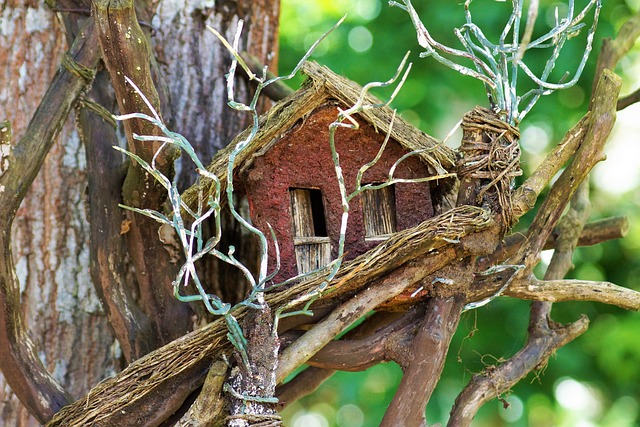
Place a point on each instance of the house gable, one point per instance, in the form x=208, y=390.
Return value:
x=301, y=160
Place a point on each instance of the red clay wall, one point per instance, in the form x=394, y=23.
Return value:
x=302, y=159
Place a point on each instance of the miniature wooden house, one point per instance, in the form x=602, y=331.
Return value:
x=288, y=175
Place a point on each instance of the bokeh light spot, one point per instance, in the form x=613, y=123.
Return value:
x=360, y=39
x=350, y=416
x=309, y=419
x=577, y=397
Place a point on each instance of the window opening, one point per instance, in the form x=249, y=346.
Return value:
x=310, y=237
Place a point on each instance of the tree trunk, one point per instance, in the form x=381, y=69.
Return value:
x=51, y=233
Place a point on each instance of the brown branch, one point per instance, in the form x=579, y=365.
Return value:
x=589, y=153
x=381, y=345
x=545, y=336
x=489, y=162
x=126, y=53
x=344, y=315
x=275, y=91
x=428, y=352
x=496, y=380
x=524, y=198
x=575, y=290
x=107, y=246
x=569, y=230
x=613, y=51
x=29, y=153
x=594, y=233
x=628, y=100
x=305, y=383
x=209, y=404
x=186, y=359
x=374, y=328
x=19, y=360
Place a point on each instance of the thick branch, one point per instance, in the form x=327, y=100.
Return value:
x=343, y=316
x=28, y=154
x=126, y=53
x=590, y=153
x=428, y=351
x=185, y=360
x=524, y=198
x=209, y=404
x=381, y=345
x=545, y=336
x=107, y=265
x=382, y=328
x=575, y=290
x=19, y=360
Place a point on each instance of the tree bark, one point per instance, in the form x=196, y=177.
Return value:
x=50, y=231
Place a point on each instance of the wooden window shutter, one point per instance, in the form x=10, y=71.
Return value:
x=310, y=239
x=379, y=209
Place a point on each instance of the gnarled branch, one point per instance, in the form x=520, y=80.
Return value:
x=19, y=360
x=126, y=54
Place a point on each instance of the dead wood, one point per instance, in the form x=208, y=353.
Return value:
x=19, y=360
x=613, y=50
x=525, y=196
x=185, y=360
x=444, y=244
x=593, y=233
x=545, y=336
x=208, y=406
x=489, y=163
x=428, y=353
x=497, y=380
x=105, y=170
x=586, y=157
x=126, y=54
x=358, y=351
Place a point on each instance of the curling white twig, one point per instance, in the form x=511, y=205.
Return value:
x=498, y=65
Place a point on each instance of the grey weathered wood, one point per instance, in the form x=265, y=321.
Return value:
x=312, y=256
x=312, y=252
x=301, y=213
x=379, y=209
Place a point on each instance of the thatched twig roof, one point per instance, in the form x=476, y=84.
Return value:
x=322, y=86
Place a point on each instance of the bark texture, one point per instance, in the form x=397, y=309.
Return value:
x=50, y=232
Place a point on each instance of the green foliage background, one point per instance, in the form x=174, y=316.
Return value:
x=594, y=381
